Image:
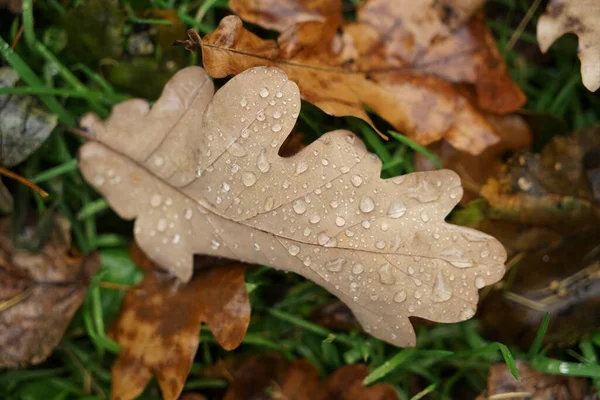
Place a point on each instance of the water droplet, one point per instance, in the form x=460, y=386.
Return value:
x=335, y=265
x=484, y=253
x=269, y=203
x=357, y=269
x=276, y=127
x=479, y=282
x=260, y=116
x=353, y=286
x=176, y=239
x=263, y=92
x=276, y=114
x=159, y=161
x=400, y=296
x=424, y=217
x=279, y=95
x=214, y=244
x=256, y=246
x=315, y=218
x=366, y=204
x=156, y=200
x=168, y=201
x=385, y=226
x=461, y=264
x=98, y=180
x=245, y=133
x=236, y=149
x=301, y=167
x=356, y=180
x=466, y=313
x=188, y=213
x=380, y=245
x=411, y=270
x=339, y=221
x=299, y=207
x=365, y=224
x=262, y=162
x=294, y=250
x=386, y=275
x=441, y=291
x=323, y=238
x=244, y=102
x=334, y=204
x=417, y=294
x=225, y=187
x=325, y=162
x=397, y=209
x=248, y=179
x=161, y=226
x=307, y=261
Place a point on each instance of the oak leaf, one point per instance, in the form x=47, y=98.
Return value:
x=39, y=294
x=202, y=175
x=159, y=325
x=405, y=60
x=581, y=18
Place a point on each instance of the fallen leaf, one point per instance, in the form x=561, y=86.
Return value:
x=544, y=209
x=39, y=294
x=159, y=325
x=23, y=125
x=14, y=6
x=534, y=385
x=335, y=316
x=204, y=176
x=408, y=72
x=268, y=376
x=581, y=18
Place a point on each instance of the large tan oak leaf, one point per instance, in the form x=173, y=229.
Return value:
x=202, y=174
x=581, y=17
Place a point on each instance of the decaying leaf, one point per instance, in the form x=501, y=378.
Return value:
x=534, y=385
x=545, y=211
x=23, y=126
x=268, y=376
x=404, y=60
x=581, y=18
x=204, y=176
x=159, y=325
x=14, y=6
x=39, y=294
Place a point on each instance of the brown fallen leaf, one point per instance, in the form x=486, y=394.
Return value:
x=269, y=376
x=14, y=6
x=405, y=70
x=204, y=176
x=581, y=18
x=39, y=294
x=545, y=210
x=534, y=385
x=159, y=325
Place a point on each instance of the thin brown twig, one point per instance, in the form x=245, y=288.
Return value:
x=24, y=181
x=18, y=37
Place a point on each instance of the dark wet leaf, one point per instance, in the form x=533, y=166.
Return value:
x=39, y=293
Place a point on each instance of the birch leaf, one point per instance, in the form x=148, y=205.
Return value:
x=202, y=175
x=581, y=18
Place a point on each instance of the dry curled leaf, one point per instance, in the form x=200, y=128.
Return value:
x=534, y=385
x=39, y=294
x=159, y=325
x=202, y=175
x=581, y=18
x=404, y=60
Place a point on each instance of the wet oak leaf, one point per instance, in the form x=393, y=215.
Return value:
x=39, y=294
x=202, y=175
x=403, y=69
x=581, y=18
x=159, y=326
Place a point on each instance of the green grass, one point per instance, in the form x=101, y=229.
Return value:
x=447, y=357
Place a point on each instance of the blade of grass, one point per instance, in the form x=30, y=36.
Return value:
x=384, y=369
x=536, y=346
x=416, y=147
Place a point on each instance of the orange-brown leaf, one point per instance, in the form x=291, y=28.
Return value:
x=158, y=328
x=404, y=70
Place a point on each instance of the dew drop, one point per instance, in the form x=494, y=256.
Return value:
x=301, y=167
x=335, y=265
x=479, y=282
x=380, y=245
x=98, y=180
x=366, y=204
x=353, y=286
x=323, y=238
x=156, y=200
x=307, y=261
x=397, y=209
x=357, y=269
x=269, y=203
x=279, y=95
x=159, y=161
x=339, y=221
x=356, y=180
x=262, y=162
x=237, y=150
x=411, y=270
x=325, y=162
x=176, y=239
x=418, y=294
x=161, y=226
x=400, y=296
x=315, y=218
x=214, y=244
x=484, y=253
x=441, y=291
x=248, y=179
x=294, y=250
x=466, y=313
x=424, y=217
x=263, y=92
x=276, y=127
x=386, y=276
x=244, y=102
x=276, y=114
x=225, y=187
x=385, y=226
x=256, y=246
x=365, y=224
x=260, y=116
x=299, y=207
x=188, y=213
x=334, y=204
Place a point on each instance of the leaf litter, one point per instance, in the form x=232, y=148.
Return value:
x=431, y=70
x=202, y=175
